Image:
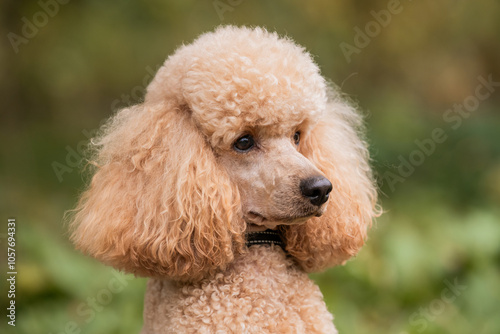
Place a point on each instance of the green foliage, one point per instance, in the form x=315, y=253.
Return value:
x=441, y=224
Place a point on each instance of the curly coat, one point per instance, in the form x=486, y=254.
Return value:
x=165, y=201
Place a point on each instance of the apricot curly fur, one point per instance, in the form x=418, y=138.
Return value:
x=158, y=205
x=171, y=199
x=337, y=149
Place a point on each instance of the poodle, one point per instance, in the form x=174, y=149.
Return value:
x=240, y=173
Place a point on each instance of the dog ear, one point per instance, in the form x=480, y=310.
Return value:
x=158, y=203
x=335, y=147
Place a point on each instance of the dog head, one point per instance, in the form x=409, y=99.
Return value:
x=237, y=129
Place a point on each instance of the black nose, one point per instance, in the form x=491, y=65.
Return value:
x=316, y=189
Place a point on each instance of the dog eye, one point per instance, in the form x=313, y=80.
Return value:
x=296, y=138
x=244, y=143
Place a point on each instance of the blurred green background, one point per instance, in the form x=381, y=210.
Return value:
x=419, y=73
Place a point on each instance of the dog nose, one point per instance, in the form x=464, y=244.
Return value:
x=317, y=189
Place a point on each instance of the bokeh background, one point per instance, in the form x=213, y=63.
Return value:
x=420, y=74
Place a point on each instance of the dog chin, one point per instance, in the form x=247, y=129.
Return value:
x=258, y=222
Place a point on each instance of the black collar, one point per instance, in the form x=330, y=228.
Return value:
x=267, y=237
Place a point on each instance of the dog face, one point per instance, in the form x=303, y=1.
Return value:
x=277, y=184
x=237, y=128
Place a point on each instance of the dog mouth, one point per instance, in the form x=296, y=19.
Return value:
x=255, y=218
